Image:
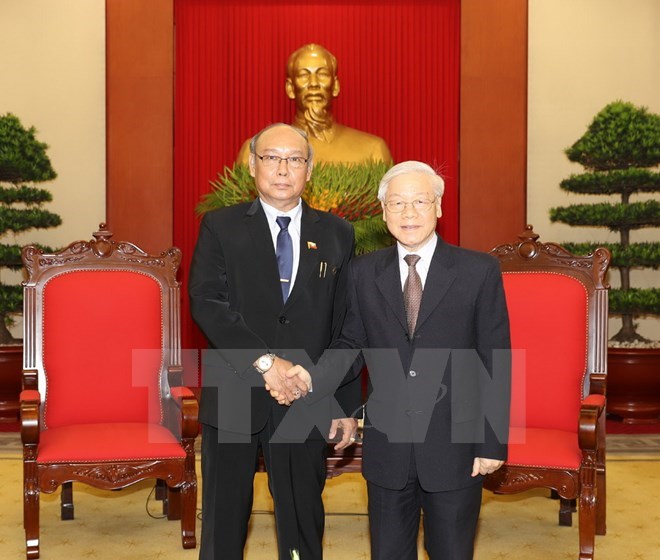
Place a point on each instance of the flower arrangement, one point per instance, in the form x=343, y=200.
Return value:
x=347, y=190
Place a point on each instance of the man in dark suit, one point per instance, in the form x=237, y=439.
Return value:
x=431, y=319
x=267, y=285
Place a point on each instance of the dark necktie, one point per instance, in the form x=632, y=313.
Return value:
x=412, y=292
x=284, y=254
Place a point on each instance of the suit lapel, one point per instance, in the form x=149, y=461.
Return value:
x=440, y=277
x=263, y=251
x=388, y=282
x=308, y=261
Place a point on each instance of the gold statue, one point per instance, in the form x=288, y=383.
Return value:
x=313, y=83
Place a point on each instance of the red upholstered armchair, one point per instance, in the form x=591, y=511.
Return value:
x=102, y=401
x=558, y=311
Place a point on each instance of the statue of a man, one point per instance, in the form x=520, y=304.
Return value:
x=313, y=83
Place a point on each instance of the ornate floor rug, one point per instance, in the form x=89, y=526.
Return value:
x=126, y=525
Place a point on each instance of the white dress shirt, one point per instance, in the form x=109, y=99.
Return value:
x=425, y=255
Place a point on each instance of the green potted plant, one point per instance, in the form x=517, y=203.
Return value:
x=620, y=150
x=23, y=162
x=348, y=190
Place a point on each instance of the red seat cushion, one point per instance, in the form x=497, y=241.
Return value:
x=544, y=448
x=92, y=443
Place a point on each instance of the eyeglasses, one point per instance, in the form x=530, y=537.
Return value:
x=295, y=162
x=398, y=206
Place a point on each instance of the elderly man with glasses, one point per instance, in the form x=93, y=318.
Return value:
x=431, y=322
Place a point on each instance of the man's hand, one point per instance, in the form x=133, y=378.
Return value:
x=348, y=429
x=282, y=388
x=274, y=380
x=301, y=374
x=485, y=466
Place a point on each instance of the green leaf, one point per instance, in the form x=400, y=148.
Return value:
x=232, y=187
x=22, y=157
x=617, y=181
x=11, y=299
x=24, y=219
x=371, y=234
x=25, y=194
x=620, y=136
x=636, y=301
x=613, y=216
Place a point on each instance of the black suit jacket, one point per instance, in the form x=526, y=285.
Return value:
x=236, y=300
x=429, y=391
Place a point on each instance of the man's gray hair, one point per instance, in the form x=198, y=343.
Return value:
x=406, y=167
x=255, y=139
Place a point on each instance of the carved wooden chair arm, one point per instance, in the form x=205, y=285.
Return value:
x=591, y=413
x=185, y=401
x=30, y=404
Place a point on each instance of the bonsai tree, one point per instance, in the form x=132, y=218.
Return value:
x=618, y=150
x=23, y=160
x=348, y=190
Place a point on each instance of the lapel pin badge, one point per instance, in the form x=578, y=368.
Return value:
x=311, y=245
x=323, y=268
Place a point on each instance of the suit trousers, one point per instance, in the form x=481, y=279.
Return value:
x=296, y=478
x=450, y=520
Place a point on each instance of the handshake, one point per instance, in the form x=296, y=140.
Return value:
x=286, y=382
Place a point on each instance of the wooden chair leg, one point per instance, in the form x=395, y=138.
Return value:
x=66, y=508
x=566, y=509
x=173, y=504
x=601, y=502
x=161, y=494
x=587, y=521
x=161, y=490
x=31, y=521
x=188, y=500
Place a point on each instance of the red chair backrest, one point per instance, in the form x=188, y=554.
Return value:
x=102, y=347
x=549, y=316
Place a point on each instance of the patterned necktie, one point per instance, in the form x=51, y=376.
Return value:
x=284, y=254
x=412, y=292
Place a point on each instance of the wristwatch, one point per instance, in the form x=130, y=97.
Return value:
x=264, y=363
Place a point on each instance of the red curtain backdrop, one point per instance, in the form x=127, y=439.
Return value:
x=398, y=65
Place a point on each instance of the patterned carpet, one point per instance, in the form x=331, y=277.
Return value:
x=115, y=525
x=635, y=444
